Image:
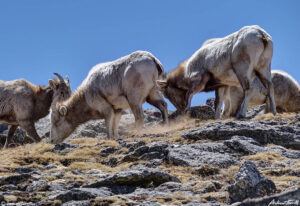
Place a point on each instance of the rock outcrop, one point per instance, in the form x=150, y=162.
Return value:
x=250, y=184
x=192, y=162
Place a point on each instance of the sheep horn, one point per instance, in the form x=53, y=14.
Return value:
x=60, y=78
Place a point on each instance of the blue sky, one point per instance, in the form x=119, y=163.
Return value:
x=39, y=37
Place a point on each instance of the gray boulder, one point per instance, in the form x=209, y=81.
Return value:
x=202, y=112
x=76, y=203
x=156, y=150
x=138, y=175
x=194, y=155
x=41, y=185
x=211, y=102
x=250, y=184
x=3, y=127
x=14, y=179
x=82, y=194
x=291, y=198
x=262, y=132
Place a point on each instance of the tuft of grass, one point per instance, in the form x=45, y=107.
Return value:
x=268, y=156
x=106, y=201
x=84, y=166
x=206, y=170
x=85, y=141
x=10, y=198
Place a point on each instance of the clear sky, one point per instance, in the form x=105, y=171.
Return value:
x=39, y=37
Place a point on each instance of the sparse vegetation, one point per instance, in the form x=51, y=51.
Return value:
x=81, y=163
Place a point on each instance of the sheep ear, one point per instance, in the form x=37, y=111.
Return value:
x=52, y=84
x=63, y=110
x=162, y=83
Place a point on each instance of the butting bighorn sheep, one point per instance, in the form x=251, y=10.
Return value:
x=108, y=89
x=23, y=103
x=286, y=94
x=233, y=60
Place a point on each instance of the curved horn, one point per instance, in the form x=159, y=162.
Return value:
x=59, y=77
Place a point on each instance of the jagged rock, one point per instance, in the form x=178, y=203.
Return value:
x=20, y=137
x=20, y=204
x=169, y=186
x=9, y=187
x=248, y=146
x=244, y=145
x=195, y=155
x=134, y=145
x=152, y=115
x=22, y=170
x=287, y=136
x=152, y=155
x=62, y=146
x=202, y=112
x=3, y=127
x=49, y=167
x=254, y=111
x=82, y=194
x=140, y=151
x=136, y=176
x=37, y=186
x=154, y=163
x=156, y=150
x=76, y=203
x=211, y=102
x=107, y=151
x=158, y=147
x=291, y=198
x=57, y=186
x=250, y=184
x=14, y=179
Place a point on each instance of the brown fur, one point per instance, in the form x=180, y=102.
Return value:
x=108, y=89
x=229, y=61
x=23, y=103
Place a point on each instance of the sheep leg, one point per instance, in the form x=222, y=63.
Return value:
x=138, y=115
x=227, y=108
x=157, y=100
x=243, y=71
x=30, y=129
x=11, y=131
x=265, y=78
x=197, y=86
x=220, y=96
x=109, y=121
x=118, y=114
x=135, y=101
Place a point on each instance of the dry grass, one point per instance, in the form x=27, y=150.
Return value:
x=183, y=173
x=278, y=117
x=176, y=198
x=114, y=201
x=268, y=156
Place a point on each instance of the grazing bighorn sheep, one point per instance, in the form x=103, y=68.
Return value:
x=23, y=103
x=108, y=89
x=286, y=94
x=233, y=60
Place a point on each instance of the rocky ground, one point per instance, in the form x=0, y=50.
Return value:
x=194, y=161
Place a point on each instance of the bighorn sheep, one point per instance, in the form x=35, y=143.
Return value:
x=286, y=94
x=23, y=103
x=233, y=60
x=108, y=89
